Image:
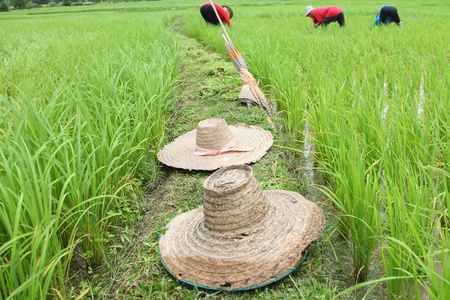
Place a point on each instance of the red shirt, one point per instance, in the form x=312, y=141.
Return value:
x=221, y=11
x=318, y=14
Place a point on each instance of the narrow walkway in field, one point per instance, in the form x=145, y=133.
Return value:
x=210, y=89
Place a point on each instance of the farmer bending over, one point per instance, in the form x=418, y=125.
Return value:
x=207, y=11
x=387, y=15
x=325, y=15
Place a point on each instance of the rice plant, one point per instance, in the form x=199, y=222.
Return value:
x=72, y=142
x=375, y=102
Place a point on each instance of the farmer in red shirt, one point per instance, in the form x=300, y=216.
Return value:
x=325, y=15
x=207, y=11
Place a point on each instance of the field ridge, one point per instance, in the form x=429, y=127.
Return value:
x=210, y=88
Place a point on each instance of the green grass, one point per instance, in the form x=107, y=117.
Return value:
x=83, y=112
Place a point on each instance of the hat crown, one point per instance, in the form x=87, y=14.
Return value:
x=233, y=199
x=213, y=134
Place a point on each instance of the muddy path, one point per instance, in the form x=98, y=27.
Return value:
x=210, y=88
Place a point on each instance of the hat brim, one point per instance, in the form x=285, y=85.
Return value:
x=250, y=258
x=180, y=153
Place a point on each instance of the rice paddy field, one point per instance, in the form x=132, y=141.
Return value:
x=87, y=93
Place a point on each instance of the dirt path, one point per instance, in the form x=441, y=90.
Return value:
x=210, y=89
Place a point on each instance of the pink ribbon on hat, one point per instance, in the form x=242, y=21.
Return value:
x=227, y=148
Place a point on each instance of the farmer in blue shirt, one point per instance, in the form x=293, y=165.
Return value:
x=387, y=15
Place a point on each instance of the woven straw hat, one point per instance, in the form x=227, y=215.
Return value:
x=251, y=143
x=229, y=11
x=308, y=10
x=242, y=237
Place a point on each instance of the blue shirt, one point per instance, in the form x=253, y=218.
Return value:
x=378, y=21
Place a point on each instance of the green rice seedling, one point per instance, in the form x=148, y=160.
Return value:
x=443, y=165
x=356, y=198
x=292, y=101
x=363, y=90
x=443, y=281
x=442, y=289
x=439, y=283
x=29, y=227
x=352, y=171
x=362, y=213
x=414, y=249
x=70, y=144
x=412, y=206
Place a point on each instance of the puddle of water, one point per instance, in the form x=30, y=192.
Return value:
x=385, y=89
x=422, y=99
x=422, y=291
x=312, y=176
x=308, y=150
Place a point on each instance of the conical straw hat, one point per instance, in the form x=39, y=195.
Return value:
x=229, y=11
x=246, y=96
x=308, y=10
x=249, y=81
x=242, y=237
x=214, y=134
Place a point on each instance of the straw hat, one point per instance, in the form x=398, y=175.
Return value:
x=229, y=11
x=308, y=10
x=242, y=237
x=251, y=143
